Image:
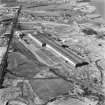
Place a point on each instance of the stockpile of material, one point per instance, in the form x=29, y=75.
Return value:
x=36, y=74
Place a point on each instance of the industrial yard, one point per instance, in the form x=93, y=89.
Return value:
x=52, y=52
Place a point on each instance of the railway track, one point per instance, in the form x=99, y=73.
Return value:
x=69, y=56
